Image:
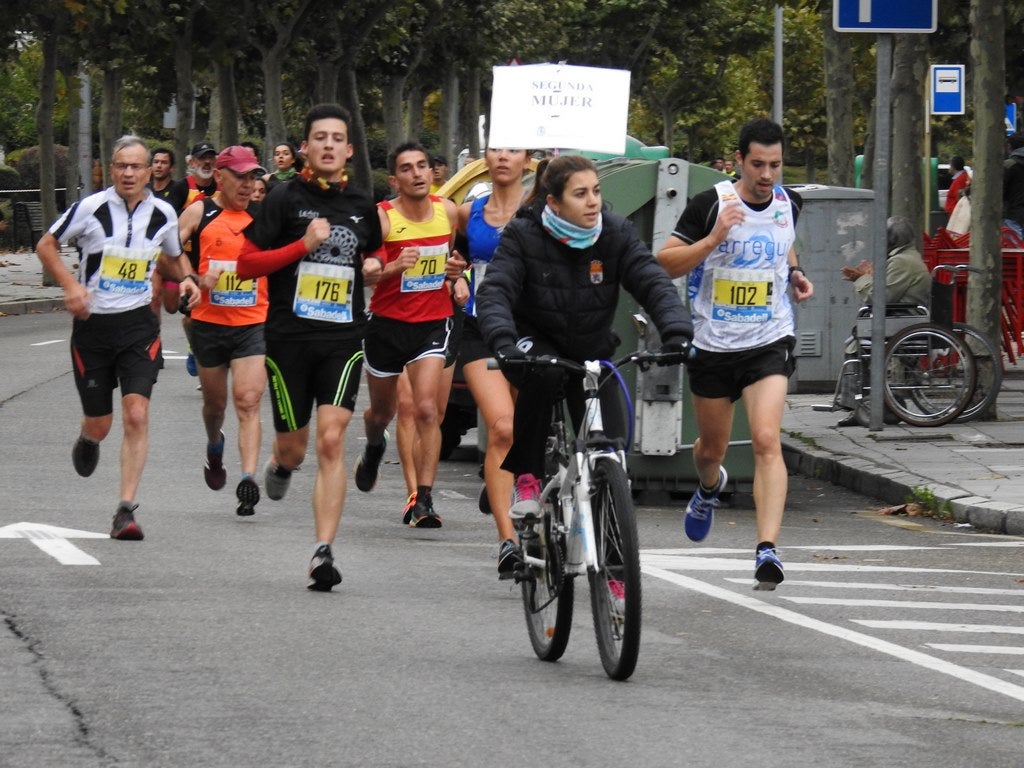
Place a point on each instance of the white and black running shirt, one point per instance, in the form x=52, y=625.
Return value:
x=118, y=249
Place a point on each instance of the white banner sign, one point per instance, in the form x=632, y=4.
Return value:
x=547, y=106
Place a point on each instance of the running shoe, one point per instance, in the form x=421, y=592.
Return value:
x=768, y=569
x=323, y=574
x=483, y=503
x=700, y=512
x=508, y=558
x=369, y=465
x=190, y=364
x=125, y=528
x=85, y=456
x=410, y=502
x=525, y=497
x=422, y=515
x=214, y=472
x=276, y=480
x=248, y=495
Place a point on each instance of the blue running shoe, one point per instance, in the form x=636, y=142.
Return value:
x=768, y=570
x=700, y=512
x=190, y=364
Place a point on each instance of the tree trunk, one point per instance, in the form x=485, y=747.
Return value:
x=326, y=81
x=839, y=100
x=867, y=168
x=393, y=105
x=228, y=103
x=360, y=172
x=272, y=97
x=73, y=177
x=183, y=101
x=473, y=112
x=448, y=117
x=414, y=112
x=44, y=124
x=988, y=60
x=110, y=118
x=910, y=73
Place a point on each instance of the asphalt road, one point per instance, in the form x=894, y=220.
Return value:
x=893, y=641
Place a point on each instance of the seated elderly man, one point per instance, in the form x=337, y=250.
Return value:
x=906, y=276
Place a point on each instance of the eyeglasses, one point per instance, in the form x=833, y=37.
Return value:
x=122, y=167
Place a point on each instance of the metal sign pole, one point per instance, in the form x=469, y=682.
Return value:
x=883, y=142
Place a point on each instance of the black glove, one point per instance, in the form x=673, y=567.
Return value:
x=507, y=357
x=676, y=345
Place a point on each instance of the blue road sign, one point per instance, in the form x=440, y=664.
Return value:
x=947, y=89
x=1011, y=118
x=885, y=15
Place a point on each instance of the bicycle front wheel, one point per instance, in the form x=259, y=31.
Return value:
x=546, y=589
x=615, y=594
x=929, y=375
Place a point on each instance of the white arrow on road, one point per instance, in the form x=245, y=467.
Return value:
x=54, y=541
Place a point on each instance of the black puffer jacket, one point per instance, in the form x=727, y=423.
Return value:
x=536, y=285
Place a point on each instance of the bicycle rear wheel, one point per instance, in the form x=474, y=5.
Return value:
x=615, y=594
x=929, y=375
x=546, y=589
x=988, y=360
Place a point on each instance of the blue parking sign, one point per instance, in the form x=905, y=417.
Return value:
x=885, y=15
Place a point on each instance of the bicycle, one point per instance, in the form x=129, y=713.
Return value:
x=586, y=525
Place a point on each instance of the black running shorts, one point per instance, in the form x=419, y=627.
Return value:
x=727, y=374
x=107, y=351
x=215, y=345
x=390, y=345
x=302, y=373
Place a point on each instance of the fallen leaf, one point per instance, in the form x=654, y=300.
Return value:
x=899, y=509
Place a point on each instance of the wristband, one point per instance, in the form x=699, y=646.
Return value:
x=193, y=278
x=796, y=268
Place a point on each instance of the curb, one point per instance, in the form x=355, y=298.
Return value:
x=31, y=306
x=894, y=486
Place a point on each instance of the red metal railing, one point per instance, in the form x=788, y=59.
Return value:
x=946, y=248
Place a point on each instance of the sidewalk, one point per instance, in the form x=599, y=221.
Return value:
x=977, y=467
x=21, y=283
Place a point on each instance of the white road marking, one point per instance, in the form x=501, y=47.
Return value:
x=47, y=343
x=697, y=563
x=896, y=587
x=54, y=541
x=940, y=626
x=904, y=604
x=965, y=674
x=1000, y=649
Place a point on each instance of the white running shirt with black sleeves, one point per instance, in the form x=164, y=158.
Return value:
x=739, y=294
x=117, y=249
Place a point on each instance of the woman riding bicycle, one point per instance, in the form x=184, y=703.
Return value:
x=552, y=289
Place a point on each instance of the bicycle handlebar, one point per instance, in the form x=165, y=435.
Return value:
x=643, y=360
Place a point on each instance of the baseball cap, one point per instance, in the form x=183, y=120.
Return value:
x=202, y=148
x=239, y=159
x=438, y=160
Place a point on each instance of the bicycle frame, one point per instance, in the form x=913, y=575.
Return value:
x=572, y=482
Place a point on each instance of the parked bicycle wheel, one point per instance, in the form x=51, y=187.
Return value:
x=547, y=590
x=929, y=375
x=615, y=594
x=988, y=359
